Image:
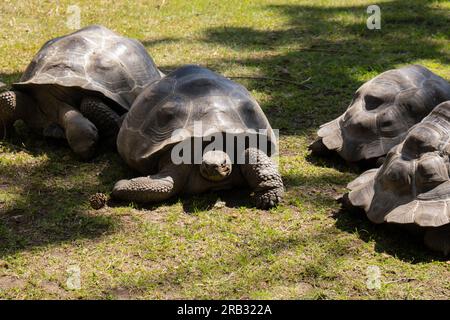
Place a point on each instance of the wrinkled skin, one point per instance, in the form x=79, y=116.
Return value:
x=413, y=184
x=381, y=112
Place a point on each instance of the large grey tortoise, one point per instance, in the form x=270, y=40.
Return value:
x=381, y=112
x=93, y=71
x=187, y=113
x=413, y=184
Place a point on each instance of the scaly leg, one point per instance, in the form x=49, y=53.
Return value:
x=263, y=178
x=105, y=119
x=15, y=105
x=167, y=183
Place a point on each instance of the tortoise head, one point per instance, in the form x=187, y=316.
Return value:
x=216, y=165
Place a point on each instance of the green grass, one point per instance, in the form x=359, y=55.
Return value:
x=196, y=247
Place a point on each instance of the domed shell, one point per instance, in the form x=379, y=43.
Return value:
x=95, y=59
x=413, y=184
x=194, y=99
x=382, y=111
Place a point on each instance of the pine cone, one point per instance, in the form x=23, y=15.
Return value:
x=98, y=200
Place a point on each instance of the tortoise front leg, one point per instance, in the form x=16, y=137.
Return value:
x=81, y=134
x=7, y=113
x=263, y=178
x=167, y=183
x=105, y=119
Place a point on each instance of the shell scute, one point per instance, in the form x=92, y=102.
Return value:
x=94, y=59
x=413, y=184
x=382, y=111
x=190, y=102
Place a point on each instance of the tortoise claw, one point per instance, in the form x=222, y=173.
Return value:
x=269, y=198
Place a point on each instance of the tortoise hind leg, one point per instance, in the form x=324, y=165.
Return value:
x=105, y=119
x=81, y=134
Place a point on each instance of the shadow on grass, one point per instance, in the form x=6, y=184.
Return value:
x=315, y=193
x=235, y=198
x=255, y=253
x=398, y=241
x=154, y=42
x=337, y=162
x=192, y=204
x=333, y=46
x=49, y=203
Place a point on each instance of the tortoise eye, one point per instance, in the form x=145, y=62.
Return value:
x=372, y=102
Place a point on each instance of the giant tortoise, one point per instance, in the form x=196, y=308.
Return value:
x=195, y=131
x=381, y=112
x=412, y=186
x=92, y=73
